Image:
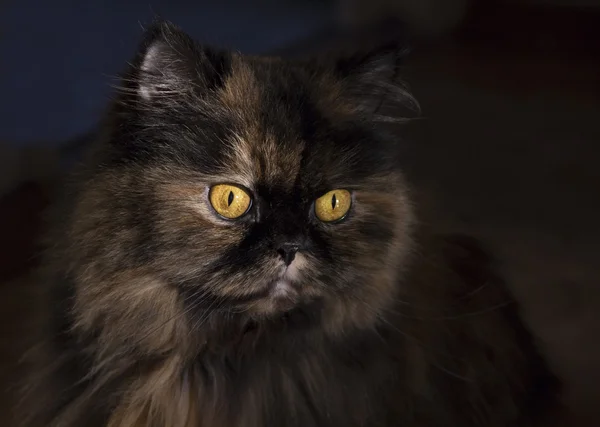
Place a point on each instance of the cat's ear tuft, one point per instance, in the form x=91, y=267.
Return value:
x=372, y=82
x=170, y=64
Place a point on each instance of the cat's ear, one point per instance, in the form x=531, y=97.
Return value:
x=372, y=82
x=170, y=64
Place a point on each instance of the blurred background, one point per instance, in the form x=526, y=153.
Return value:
x=508, y=145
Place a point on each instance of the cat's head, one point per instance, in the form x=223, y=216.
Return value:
x=245, y=185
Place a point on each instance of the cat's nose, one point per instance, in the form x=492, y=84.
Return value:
x=287, y=252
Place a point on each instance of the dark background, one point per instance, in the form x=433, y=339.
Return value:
x=507, y=148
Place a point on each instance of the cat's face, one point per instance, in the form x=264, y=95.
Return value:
x=254, y=185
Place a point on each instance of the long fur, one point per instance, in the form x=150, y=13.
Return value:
x=161, y=313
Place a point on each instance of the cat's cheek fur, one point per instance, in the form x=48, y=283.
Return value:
x=376, y=265
x=148, y=310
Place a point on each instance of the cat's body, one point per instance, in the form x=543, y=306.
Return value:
x=167, y=311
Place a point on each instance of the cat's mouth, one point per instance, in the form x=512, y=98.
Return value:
x=282, y=296
x=279, y=288
x=278, y=296
x=282, y=288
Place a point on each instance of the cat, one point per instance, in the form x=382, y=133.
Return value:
x=240, y=248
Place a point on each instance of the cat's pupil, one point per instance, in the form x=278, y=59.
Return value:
x=333, y=202
x=230, y=198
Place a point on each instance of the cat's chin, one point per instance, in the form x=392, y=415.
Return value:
x=283, y=296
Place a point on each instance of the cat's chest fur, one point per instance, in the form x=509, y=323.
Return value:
x=384, y=377
x=455, y=356
x=291, y=378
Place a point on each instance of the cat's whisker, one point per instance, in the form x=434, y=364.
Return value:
x=476, y=312
x=417, y=342
x=457, y=316
x=109, y=360
x=476, y=290
x=206, y=315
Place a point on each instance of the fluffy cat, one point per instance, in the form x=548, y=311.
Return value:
x=240, y=249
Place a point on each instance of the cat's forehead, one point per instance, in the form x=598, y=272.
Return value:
x=256, y=158
x=269, y=123
x=223, y=115
x=266, y=143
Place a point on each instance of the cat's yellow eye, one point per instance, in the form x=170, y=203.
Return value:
x=333, y=206
x=229, y=201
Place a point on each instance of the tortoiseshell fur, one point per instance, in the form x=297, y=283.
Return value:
x=162, y=314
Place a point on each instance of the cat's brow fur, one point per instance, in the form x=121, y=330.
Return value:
x=157, y=312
